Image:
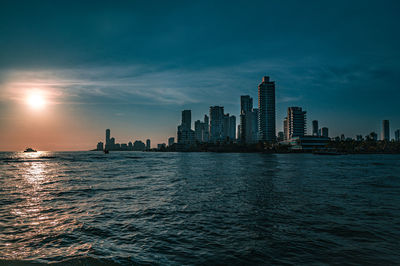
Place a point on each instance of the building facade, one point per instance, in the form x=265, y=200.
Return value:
x=249, y=124
x=108, y=140
x=295, y=122
x=216, y=123
x=324, y=132
x=308, y=143
x=201, y=130
x=185, y=134
x=385, y=130
x=99, y=146
x=148, y=144
x=229, y=128
x=171, y=141
x=266, y=106
x=315, y=128
x=186, y=119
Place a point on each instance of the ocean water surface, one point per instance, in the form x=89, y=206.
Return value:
x=198, y=208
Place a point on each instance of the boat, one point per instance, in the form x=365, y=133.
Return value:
x=30, y=150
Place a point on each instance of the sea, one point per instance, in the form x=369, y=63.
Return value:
x=148, y=208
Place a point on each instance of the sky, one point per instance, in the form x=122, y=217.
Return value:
x=133, y=66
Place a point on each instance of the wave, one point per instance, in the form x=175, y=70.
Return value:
x=87, y=260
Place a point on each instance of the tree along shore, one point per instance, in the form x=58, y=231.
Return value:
x=348, y=146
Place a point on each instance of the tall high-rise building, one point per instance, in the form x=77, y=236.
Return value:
x=397, y=135
x=315, y=127
x=206, y=134
x=246, y=104
x=216, y=123
x=232, y=129
x=171, y=141
x=254, y=125
x=112, y=145
x=185, y=133
x=201, y=130
x=108, y=136
x=324, y=132
x=296, y=122
x=186, y=119
x=229, y=127
x=385, y=130
x=99, y=146
x=248, y=120
x=266, y=106
x=285, y=129
x=148, y=147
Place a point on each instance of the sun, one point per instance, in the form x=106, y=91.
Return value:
x=36, y=100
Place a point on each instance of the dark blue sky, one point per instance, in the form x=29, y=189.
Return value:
x=134, y=66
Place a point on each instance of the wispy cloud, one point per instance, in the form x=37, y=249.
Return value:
x=163, y=85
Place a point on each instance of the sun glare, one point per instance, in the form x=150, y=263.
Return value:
x=36, y=100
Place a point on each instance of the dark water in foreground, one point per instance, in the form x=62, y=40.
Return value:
x=199, y=208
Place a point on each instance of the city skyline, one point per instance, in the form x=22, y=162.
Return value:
x=220, y=127
x=64, y=81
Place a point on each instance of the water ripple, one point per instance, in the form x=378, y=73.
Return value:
x=88, y=208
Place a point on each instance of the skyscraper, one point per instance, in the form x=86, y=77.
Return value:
x=397, y=135
x=186, y=119
x=254, y=124
x=206, y=134
x=248, y=120
x=232, y=129
x=201, y=130
x=324, y=132
x=246, y=104
x=285, y=129
x=108, y=136
x=296, y=122
x=100, y=146
x=229, y=127
x=266, y=106
x=315, y=127
x=171, y=141
x=385, y=130
x=185, y=133
x=148, y=147
x=216, y=123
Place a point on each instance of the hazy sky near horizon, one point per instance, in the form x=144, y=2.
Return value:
x=133, y=66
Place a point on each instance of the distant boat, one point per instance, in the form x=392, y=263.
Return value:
x=30, y=150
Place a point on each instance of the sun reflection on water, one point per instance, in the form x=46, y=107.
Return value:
x=36, y=223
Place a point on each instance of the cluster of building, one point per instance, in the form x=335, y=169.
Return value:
x=255, y=125
x=219, y=127
x=385, y=134
x=110, y=144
